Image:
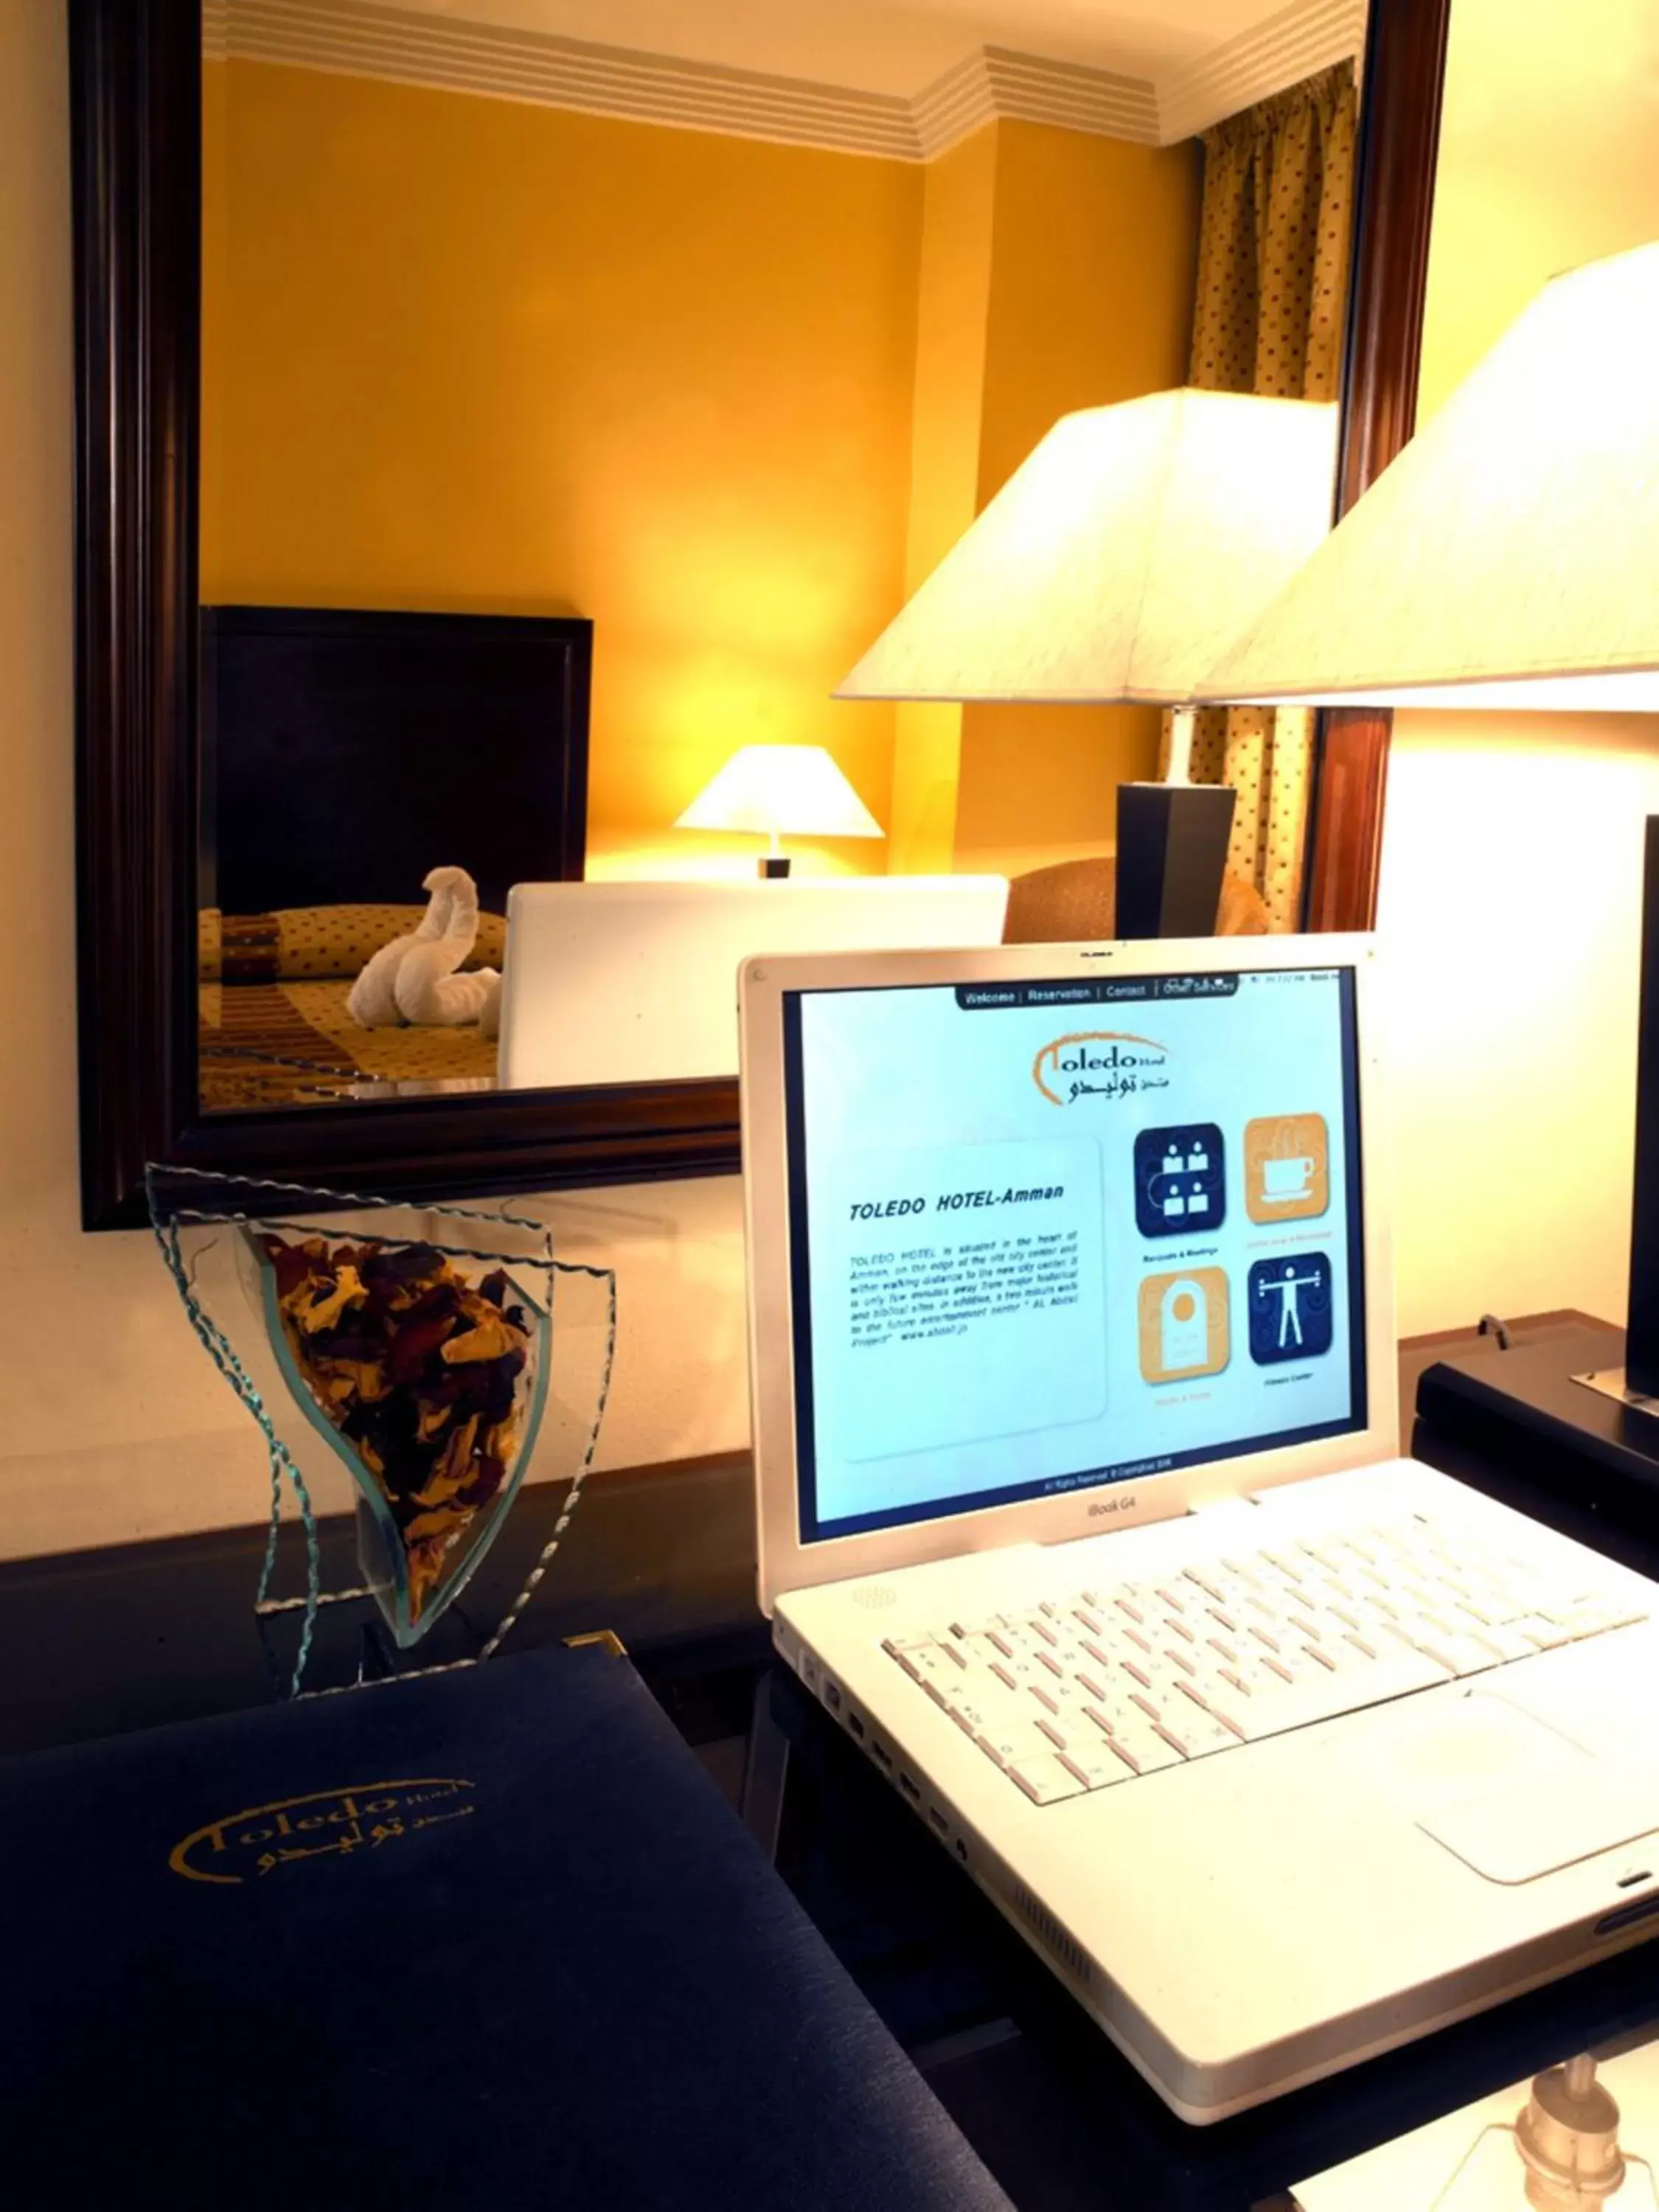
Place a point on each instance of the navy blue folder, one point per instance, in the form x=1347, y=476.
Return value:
x=488, y=1938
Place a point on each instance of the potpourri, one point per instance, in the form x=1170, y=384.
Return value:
x=419, y=1368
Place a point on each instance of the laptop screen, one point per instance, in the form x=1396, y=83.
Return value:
x=1050, y=1236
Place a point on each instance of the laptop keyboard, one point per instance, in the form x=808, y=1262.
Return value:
x=1125, y=1679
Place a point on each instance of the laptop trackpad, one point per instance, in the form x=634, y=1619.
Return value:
x=1538, y=1800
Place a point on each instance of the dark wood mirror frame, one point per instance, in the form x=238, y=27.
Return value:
x=136, y=95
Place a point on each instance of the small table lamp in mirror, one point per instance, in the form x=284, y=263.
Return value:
x=1121, y=557
x=777, y=791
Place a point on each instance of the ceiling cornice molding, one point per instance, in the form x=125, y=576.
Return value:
x=1306, y=36
x=406, y=46
x=953, y=108
x=997, y=82
x=409, y=47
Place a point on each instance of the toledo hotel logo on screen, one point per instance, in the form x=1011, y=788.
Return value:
x=1099, y=1063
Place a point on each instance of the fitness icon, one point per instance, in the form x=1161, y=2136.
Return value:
x=1290, y=1303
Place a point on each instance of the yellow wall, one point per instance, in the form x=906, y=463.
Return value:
x=1057, y=272
x=479, y=353
x=1510, y=894
x=1093, y=271
x=952, y=329
x=117, y=1427
x=1093, y=268
x=114, y=1421
x=216, y=271
x=731, y=400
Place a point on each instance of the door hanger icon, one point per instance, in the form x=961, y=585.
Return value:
x=1183, y=1325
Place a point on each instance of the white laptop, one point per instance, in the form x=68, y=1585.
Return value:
x=1074, y=1366
x=636, y=982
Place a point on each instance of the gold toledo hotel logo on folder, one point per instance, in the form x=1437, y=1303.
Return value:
x=328, y=1824
x=1099, y=1063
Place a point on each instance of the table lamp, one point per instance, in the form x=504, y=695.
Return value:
x=1125, y=553
x=781, y=790
x=1509, y=558
x=1506, y=558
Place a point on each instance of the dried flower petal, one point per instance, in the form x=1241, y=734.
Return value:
x=324, y=1311
x=446, y=1521
x=367, y=1376
x=454, y=1467
x=414, y=1344
x=491, y=1339
x=485, y=1483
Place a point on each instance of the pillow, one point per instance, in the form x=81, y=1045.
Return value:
x=209, y=931
x=330, y=940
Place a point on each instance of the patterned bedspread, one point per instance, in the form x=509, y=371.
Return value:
x=290, y=1044
x=274, y=1031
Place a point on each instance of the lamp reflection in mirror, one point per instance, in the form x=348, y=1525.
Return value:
x=777, y=791
x=1121, y=557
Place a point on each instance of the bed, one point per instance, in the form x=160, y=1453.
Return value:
x=274, y=1028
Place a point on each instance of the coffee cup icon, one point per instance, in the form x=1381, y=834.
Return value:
x=1288, y=1157
x=1285, y=1181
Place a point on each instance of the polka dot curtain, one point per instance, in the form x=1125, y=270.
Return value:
x=1272, y=282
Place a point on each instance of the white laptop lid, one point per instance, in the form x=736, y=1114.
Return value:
x=1052, y=1238
x=636, y=982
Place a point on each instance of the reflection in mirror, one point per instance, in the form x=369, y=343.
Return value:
x=690, y=359
x=349, y=761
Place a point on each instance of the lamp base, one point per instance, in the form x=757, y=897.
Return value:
x=773, y=866
x=1171, y=851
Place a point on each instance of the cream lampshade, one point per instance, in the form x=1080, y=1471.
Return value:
x=1123, y=554
x=774, y=790
x=1509, y=556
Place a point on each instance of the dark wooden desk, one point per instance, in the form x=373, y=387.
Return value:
x=1566, y=1325
x=100, y=1642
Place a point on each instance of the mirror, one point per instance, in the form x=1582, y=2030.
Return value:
x=570, y=421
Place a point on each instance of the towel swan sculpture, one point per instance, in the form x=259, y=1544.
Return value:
x=414, y=980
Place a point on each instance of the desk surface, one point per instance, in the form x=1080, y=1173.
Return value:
x=98, y=1643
